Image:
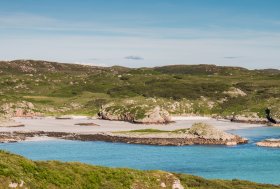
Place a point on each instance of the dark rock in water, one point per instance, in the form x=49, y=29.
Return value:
x=87, y=124
x=63, y=117
x=268, y=116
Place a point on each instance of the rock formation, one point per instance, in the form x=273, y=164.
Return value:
x=156, y=115
x=275, y=143
x=136, y=114
x=199, y=134
x=19, y=109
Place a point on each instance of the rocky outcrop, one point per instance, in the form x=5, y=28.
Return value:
x=136, y=114
x=10, y=137
x=235, y=92
x=19, y=109
x=250, y=120
x=156, y=115
x=161, y=141
x=199, y=134
x=274, y=143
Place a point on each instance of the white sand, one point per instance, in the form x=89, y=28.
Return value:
x=50, y=124
x=40, y=138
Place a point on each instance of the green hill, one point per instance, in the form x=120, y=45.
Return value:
x=23, y=173
x=56, y=88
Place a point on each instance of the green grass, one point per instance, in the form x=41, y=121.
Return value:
x=55, y=174
x=148, y=131
x=193, y=87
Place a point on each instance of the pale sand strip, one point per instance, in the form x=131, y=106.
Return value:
x=40, y=138
x=51, y=124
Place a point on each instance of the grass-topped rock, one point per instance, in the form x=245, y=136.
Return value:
x=209, y=132
x=135, y=113
x=199, y=133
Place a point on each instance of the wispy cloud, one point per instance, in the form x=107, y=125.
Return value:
x=134, y=58
x=110, y=45
x=32, y=22
x=232, y=57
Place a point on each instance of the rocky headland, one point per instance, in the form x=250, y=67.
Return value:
x=198, y=134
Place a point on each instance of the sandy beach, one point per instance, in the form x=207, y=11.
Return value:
x=50, y=124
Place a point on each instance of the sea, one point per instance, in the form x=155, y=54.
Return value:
x=245, y=162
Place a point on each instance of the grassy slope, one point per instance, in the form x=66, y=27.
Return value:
x=59, y=86
x=54, y=174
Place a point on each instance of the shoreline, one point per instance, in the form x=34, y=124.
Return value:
x=178, y=140
x=51, y=124
x=92, y=129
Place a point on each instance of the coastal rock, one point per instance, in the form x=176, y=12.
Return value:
x=135, y=114
x=274, y=143
x=19, y=109
x=250, y=120
x=10, y=137
x=209, y=132
x=207, y=135
x=156, y=115
x=199, y=134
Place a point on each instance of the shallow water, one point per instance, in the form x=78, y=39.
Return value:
x=247, y=162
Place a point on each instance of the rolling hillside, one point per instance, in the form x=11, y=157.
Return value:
x=56, y=88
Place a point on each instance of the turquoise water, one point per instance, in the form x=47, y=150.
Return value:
x=247, y=161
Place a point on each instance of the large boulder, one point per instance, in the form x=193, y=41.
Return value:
x=209, y=132
x=156, y=115
x=135, y=114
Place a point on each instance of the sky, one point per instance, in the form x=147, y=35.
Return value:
x=142, y=33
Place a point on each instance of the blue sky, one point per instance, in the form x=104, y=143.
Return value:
x=142, y=33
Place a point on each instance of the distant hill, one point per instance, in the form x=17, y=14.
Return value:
x=200, y=69
x=60, y=88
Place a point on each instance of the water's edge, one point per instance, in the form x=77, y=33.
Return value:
x=246, y=162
